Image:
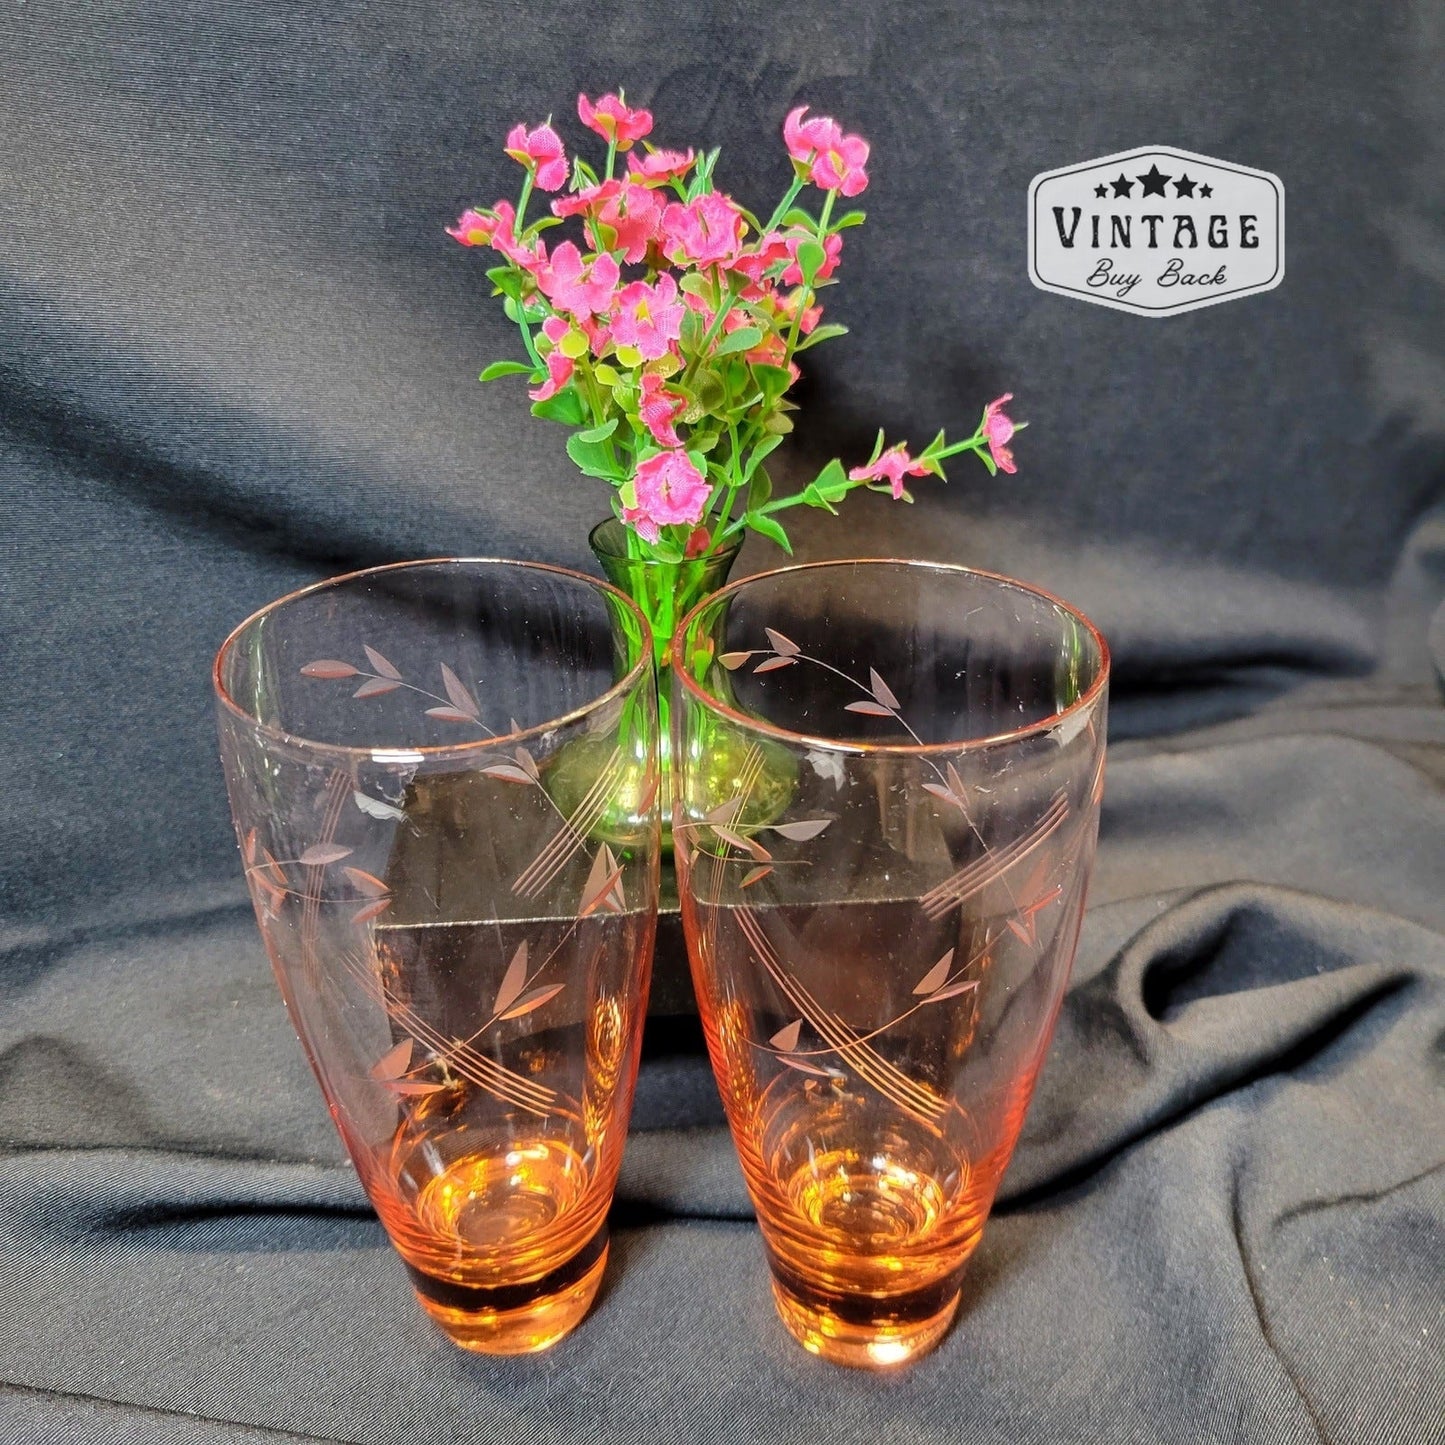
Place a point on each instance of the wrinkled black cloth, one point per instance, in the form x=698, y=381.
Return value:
x=237, y=353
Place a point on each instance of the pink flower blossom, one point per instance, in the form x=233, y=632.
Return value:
x=788, y=306
x=758, y=259
x=698, y=542
x=474, y=228
x=648, y=318
x=661, y=165
x=573, y=286
x=833, y=161
x=669, y=490
x=832, y=250
x=610, y=117
x=660, y=409
x=704, y=232
x=559, y=373
x=806, y=138
x=630, y=212
x=541, y=152
x=497, y=227
x=891, y=467
x=999, y=430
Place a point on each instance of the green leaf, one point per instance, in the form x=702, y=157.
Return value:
x=799, y=217
x=582, y=174
x=770, y=528
x=692, y=330
x=765, y=447
x=743, y=339
x=629, y=356
x=708, y=391
x=598, y=433
x=813, y=497
x=761, y=488
x=505, y=368
x=832, y=482
x=778, y=424
x=696, y=284
x=565, y=407
x=574, y=344
x=826, y=332
x=506, y=280
x=774, y=380
x=853, y=218
x=591, y=458
x=811, y=256
x=606, y=375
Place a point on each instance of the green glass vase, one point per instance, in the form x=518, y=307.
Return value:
x=665, y=592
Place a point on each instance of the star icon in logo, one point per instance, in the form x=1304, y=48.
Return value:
x=1206, y=191
x=1122, y=187
x=1184, y=186
x=1153, y=182
x=1102, y=192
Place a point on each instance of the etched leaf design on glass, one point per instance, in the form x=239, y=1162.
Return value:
x=783, y=646
x=506, y=772
x=329, y=667
x=376, y=687
x=756, y=875
x=372, y=910
x=461, y=698
x=734, y=660
x=873, y=709
x=786, y=1039
x=385, y=668
x=772, y=664
x=953, y=990
x=513, y=982
x=534, y=1000
x=394, y=1062
x=603, y=888
x=319, y=854
x=803, y=831
x=881, y=690
x=935, y=977
x=367, y=883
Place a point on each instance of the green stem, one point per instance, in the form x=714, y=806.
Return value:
x=522, y=204
x=810, y=294
x=784, y=205
x=611, y=153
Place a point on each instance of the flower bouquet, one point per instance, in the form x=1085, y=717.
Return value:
x=667, y=341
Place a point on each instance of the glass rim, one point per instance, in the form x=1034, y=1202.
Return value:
x=394, y=751
x=1085, y=700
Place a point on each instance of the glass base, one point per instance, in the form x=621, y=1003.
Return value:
x=852, y=1335
x=515, y=1319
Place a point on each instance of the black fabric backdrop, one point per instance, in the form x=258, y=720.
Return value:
x=237, y=353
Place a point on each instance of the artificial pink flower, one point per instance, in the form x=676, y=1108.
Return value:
x=611, y=117
x=755, y=262
x=498, y=227
x=554, y=328
x=697, y=543
x=704, y=232
x=573, y=286
x=559, y=373
x=474, y=228
x=660, y=409
x=833, y=161
x=629, y=211
x=807, y=138
x=541, y=152
x=891, y=467
x=669, y=490
x=832, y=250
x=648, y=318
x=999, y=430
x=661, y=165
